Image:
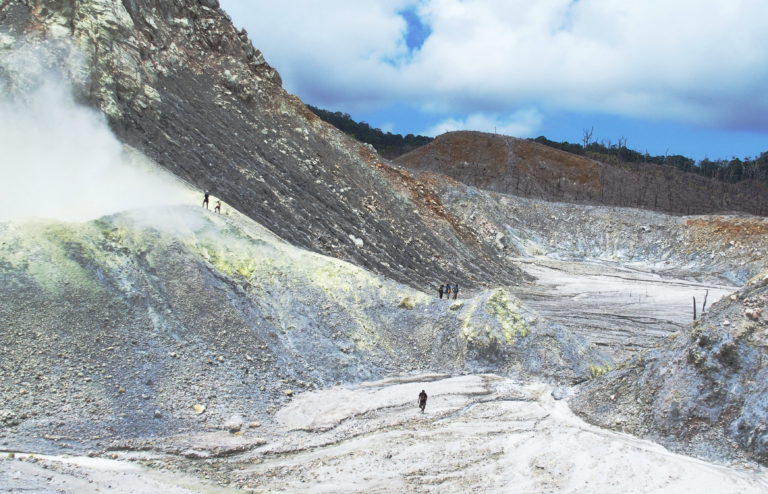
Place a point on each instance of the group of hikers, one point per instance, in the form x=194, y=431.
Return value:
x=449, y=289
x=207, y=195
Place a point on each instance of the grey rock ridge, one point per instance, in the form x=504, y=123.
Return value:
x=705, y=393
x=152, y=323
x=178, y=82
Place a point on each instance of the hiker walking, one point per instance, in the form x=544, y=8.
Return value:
x=218, y=207
x=455, y=290
x=422, y=400
x=205, y=199
x=447, y=291
x=441, y=290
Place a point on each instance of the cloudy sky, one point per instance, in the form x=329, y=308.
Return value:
x=670, y=76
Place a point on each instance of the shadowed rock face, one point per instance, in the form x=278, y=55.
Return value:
x=177, y=81
x=118, y=327
x=706, y=394
x=529, y=169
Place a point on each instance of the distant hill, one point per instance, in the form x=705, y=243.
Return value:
x=733, y=170
x=748, y=172
x=530, y=169
x=387, y=144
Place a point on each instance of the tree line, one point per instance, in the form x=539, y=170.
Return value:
x=732, y=171
x=387, y=144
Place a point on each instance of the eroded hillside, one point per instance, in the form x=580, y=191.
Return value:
x=529, y=169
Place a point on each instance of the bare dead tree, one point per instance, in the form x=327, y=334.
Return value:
x=586, y=137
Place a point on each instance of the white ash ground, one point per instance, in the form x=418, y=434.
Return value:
x=480, y=433
x=623, y=309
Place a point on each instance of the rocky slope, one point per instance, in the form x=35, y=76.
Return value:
x=705, y=393
x=121, y=327
x=529, y=169
x=178, y=82
x=725, y=248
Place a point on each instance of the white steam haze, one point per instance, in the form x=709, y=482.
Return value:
x=59, y=159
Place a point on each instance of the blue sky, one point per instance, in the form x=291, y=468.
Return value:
x=670, y=76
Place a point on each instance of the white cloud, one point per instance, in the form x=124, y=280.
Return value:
x=523, y=123
x=327, y=51
x=700, y=61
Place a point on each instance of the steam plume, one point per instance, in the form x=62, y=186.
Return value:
x=59, y=159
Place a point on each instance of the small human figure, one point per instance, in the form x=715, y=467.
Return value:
x=205, y=199
x=422, y=400
x=447, y=291
x=218, y=207
x=440, y=290
x=455, y=290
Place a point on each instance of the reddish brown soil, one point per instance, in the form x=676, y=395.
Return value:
x=524, y=168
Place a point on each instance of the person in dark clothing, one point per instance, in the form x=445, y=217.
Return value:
x=440, y=290
x=218, y=207
x=205, y=199
x=422, y=400
x=455, y=290
x=447, y=291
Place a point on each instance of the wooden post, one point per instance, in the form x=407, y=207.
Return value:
x=694, y=308
x=704, y=305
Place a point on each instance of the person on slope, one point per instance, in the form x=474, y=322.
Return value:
x=441, y=290
x=447, y=291
x=217, y=209
x=422, y=400
x=455, y=290
x=205, y=199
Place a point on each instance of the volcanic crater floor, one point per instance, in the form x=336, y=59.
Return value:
x=623, y=309
x=479, y=433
